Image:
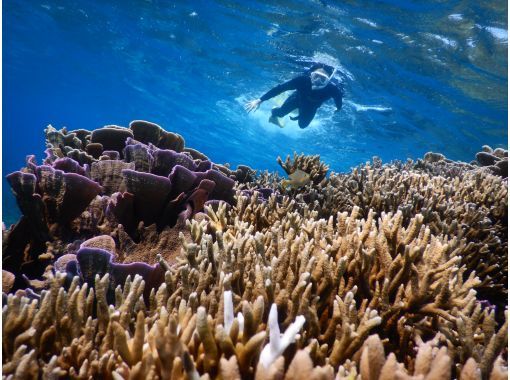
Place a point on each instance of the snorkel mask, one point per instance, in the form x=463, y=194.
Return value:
x=320, y=78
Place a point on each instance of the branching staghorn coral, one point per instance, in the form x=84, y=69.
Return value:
x=115, y=339
x=472, y=207
x=381, y=271
x=309, y=164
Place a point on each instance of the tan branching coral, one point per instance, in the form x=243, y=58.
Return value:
x=471, y=207
x=348, y=279
x=309, y=164
x=389, y=272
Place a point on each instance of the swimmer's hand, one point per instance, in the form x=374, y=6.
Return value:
x=252, y=105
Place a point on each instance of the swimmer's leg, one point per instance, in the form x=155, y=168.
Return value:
x=287, y=107
x=305, y=117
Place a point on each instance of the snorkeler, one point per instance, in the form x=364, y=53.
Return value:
x=312, y=89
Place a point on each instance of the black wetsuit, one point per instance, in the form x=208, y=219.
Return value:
x=304, y=98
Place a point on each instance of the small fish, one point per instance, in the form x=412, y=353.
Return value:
x=297, y=179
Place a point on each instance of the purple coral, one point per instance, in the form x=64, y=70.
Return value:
x=195, y=202
x=94, y=149
x=79, y=192
x=29, y=202
x=65, y=195
x=97, y=261
x=112, y=137
x=92, y=262
x=138, y=154
x=165, y=160
x=152, y=275
x=68, y=165
x=150, y=194
x=111, y=154
x=121, y=208
x=224, y=189
x=184, y=179
x=145, y=131
x=204, y=165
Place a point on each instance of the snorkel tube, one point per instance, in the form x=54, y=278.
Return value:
x=320, y=77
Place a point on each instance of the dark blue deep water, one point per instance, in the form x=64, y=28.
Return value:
x=418, y=75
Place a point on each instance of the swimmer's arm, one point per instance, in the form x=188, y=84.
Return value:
x=292, y=84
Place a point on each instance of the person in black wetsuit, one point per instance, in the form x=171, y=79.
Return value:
x=312, y=89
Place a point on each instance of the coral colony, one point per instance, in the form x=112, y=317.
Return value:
x=137, y=257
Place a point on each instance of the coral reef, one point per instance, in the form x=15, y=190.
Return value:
x=309, y=164
x=455, y=199
x=496, y=160
x=138, y=258
x=74, y=195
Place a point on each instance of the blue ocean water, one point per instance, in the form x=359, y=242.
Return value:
x=418, y=76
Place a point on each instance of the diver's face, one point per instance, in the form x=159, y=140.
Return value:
x=319, y=80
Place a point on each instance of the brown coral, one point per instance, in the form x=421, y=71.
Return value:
x=309, y=164
x=374, y=274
